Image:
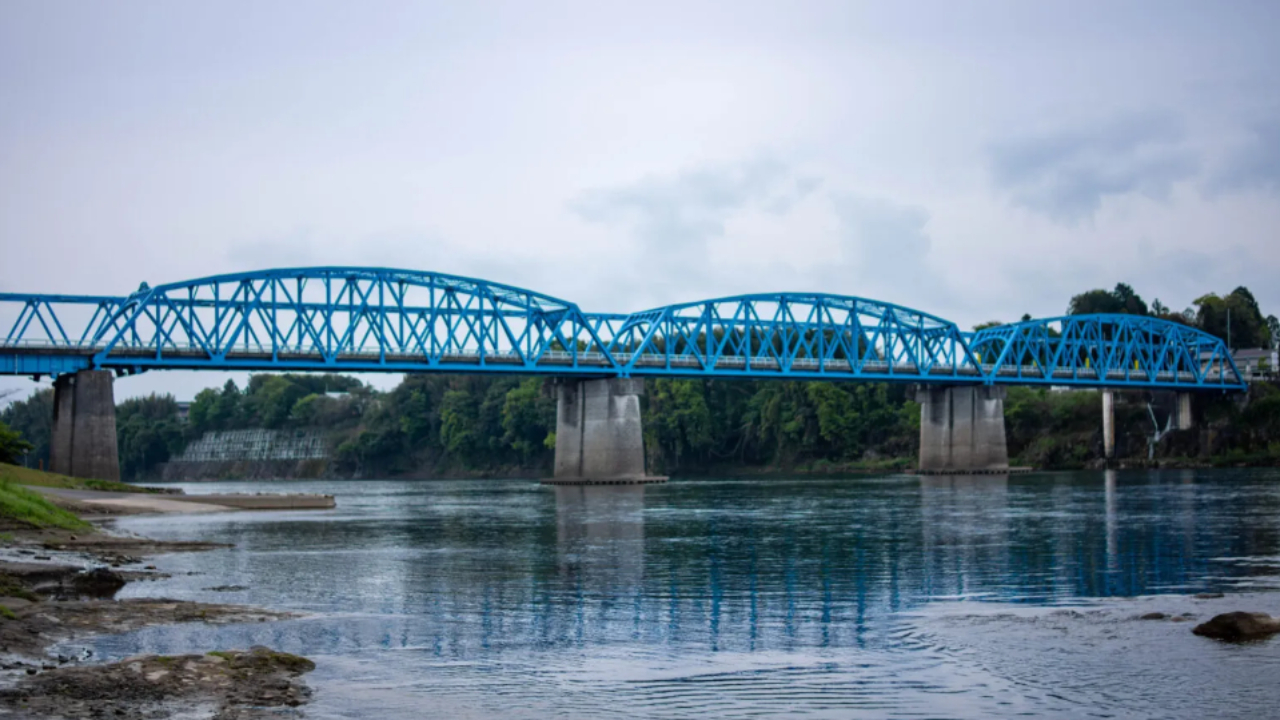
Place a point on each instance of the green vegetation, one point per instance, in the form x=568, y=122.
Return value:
x=1235, y=317
x=22, y=505
x=12, y=587
x=12, y=445
x=463, y=425
x=28, y=476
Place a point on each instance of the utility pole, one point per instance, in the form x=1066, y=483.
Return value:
x=1229, y=332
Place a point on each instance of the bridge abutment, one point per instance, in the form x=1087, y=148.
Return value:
x=599, y=437
x=83, y=442
x=962, y=429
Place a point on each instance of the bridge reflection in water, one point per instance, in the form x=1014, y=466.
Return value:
x=465, y=570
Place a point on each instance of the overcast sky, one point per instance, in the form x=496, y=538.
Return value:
x=976, y=160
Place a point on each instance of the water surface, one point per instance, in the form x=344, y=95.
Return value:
x=890, y=596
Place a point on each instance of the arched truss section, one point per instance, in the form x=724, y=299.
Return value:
x=346, y=318
x=62, y=321
x=790, y=335
x=1105, y=350
x=369, y=319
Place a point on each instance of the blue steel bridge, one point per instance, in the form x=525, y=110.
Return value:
x=350, y=319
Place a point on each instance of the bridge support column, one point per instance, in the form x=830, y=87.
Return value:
x=1182, y=412
x=962, y=429
x=83, y=442
x=599, y=439
x=1108, y=424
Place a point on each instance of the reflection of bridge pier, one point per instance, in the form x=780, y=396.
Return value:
x=600, y=536
x=963, y=516
x=1113, y=526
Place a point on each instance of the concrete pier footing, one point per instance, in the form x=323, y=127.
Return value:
x=599, y=438
x=962, y=429
x=83, y=442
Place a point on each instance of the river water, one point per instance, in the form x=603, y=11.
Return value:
x=895, y=596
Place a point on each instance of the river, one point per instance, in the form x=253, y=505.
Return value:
x=894, y=596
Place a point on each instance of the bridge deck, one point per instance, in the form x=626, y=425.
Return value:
x=632, y=364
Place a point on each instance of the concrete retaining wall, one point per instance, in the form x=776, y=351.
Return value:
x=251, y=455
x=236, y=445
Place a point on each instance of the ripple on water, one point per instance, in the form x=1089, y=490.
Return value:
x=868, y=597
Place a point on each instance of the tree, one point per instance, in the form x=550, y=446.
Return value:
x=12, y=447
x=1120, y=300
x=528, y=418
x=680, y=424
x=148, y=433
x=32, y=419
x=1128, y=300
x=1234, y=318
x=200, y=413
x=1273, y=326
x=226, y=413
x=270, y=401
x=459, y=416
x=1091, y=302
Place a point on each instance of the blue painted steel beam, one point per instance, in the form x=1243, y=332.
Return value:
x=345, y=319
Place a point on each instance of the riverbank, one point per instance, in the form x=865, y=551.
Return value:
x=59, y=575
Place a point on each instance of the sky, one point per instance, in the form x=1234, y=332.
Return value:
x=974, y=160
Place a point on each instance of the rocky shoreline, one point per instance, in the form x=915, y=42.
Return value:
x=57, y=586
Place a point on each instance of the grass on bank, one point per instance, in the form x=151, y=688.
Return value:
x=29, y=476
x=29, y=507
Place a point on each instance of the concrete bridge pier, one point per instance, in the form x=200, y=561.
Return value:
x=83, y=442
x=599, y=438
x=962, y=429
x=1108, y=424
x=1182, y=412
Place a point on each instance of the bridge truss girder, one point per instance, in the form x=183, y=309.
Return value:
x=344, y=319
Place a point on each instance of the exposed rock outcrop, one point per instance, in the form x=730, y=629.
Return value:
x=1237, y=626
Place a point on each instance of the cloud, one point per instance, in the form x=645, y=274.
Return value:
x=884, y=254
x=1065, y=174
x=878, y=232
x=1254, y=164
x=673, y=220
x=682, y=212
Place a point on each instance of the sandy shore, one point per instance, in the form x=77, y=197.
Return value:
x=117, y=503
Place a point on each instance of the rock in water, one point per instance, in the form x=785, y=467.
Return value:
x=98, y=582
x=1235, y=626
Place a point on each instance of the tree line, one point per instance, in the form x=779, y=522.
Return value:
x=445, y=424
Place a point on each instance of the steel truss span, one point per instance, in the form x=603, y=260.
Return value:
x=350, y=319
